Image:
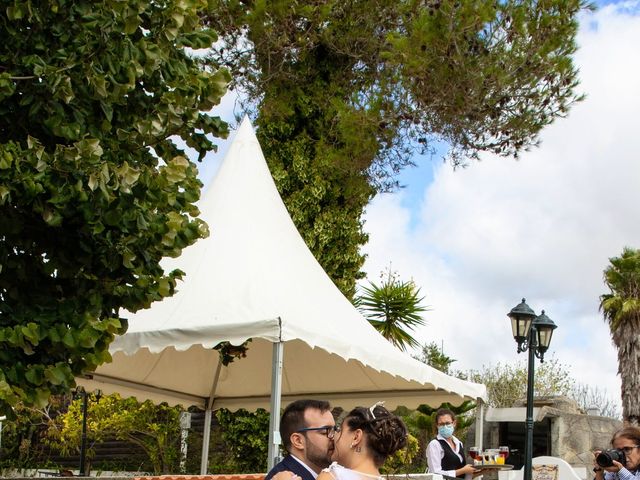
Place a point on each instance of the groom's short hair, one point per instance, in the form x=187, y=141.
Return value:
x=293, y=417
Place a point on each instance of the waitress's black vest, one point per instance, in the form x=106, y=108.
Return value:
x=451, y=461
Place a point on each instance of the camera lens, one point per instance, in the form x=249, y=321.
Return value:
x=606, y=458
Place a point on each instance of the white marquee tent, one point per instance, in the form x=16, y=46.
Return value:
x=254, y=277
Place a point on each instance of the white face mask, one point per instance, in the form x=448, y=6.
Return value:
x=446, y=431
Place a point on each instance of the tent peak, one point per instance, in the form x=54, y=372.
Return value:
x=245, y=126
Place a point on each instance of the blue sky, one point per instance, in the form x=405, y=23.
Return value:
x=477, y=240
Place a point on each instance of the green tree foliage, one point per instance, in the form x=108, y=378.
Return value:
x=393, y=308
x=621, y=310
x=245, y=439
x=346, y=91
x=155, y=428
x=435, y=357
x=21, y=439
x=94, y=190
x=402, y=460
x=323, y=191
x=507, y=383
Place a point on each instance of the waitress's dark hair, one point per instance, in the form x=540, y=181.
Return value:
x=442, y=412
x=385, y=432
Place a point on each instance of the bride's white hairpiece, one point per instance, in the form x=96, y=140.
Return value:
x=373, y=407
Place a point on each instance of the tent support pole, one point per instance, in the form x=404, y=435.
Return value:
x=206, y=435
x=479, y=424
x=204, y=461
x=276, y=397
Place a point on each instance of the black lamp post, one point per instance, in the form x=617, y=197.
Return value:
x=81, y=393
x=532, y=332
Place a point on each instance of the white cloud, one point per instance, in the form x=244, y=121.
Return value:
x=541, y=227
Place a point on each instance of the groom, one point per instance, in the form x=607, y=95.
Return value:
x=307, y=428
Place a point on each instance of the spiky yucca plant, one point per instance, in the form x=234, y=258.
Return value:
x=394, y=308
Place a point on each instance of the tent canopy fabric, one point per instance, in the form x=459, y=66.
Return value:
x=254, y=277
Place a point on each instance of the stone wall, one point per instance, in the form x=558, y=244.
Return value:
x=575, y=436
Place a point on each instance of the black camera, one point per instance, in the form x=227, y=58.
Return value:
x=606, y=457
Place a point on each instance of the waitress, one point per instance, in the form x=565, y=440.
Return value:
x=445, y=454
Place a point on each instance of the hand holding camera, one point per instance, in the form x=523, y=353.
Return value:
x=607, y=458
x=611, y=460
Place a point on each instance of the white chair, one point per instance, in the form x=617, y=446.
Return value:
x=565, y=471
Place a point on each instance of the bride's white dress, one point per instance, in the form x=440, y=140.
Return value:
x=338, y=472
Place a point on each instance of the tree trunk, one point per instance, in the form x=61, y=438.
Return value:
x=627, y=340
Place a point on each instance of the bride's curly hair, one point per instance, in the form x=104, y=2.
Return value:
x=385, y=432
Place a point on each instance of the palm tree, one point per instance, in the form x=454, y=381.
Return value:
x=621, y=309
x=393, y=308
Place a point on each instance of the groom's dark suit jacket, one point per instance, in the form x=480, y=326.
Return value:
x=291, y=464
